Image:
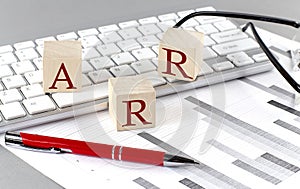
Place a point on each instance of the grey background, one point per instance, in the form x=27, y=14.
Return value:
x=30, y=19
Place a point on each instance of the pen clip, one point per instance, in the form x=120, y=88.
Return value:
x=51, y=150
x=15, y=140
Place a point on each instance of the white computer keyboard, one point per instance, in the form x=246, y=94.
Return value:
x=123, y=49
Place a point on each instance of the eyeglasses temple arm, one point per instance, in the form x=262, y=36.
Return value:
x=239, y=15
x=272, y=58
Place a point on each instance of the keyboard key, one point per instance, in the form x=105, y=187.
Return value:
x=209, y=19
x=8, y=96
x=110, y=37
x=102, y=62
x=208, y=41
x=123, y=70
x=128, y=24
x=189, y=23
x=7, y=58
x=149, y=29
x=88, y=32
x=86, y=67
x=108, y=28
x=130, y=33
x=206, y=9
x=225, y=25
x=223, y=66
x=129, y=45
x=185, y=13
x=99, y=76
x=166, y=17
x=40, y=42
x=123, y=58
x=38, y=62
x=155, y=61
x=108, y=49
x=34, y=77
x=240, y=59
x=39, y=104
x=12, y=110
x=142, y=54
x=89, y=53
x=6, y=49
x=190, y=29
x=22, y=67
x=86, y=94
x=24, y=45
x=260, y=57
x=155, y=78
x=235, y=46
x=40, y=50
x=208, y=53
x=27, y=54
x=90, y=41
x=67, y=36
x=149, y=20
x=148, y=41
x=85, y=81
x=143, y=66
x=5, y=71
x=166, y=25
x=206, y=29
x=155, y=49
x=226, y=36
x=205, y=69
x=34, y=90
x=13, y=81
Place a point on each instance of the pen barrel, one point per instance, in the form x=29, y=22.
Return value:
x=139, y=155
x=95, y=149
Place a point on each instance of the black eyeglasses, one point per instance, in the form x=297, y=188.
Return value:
x=262, y=45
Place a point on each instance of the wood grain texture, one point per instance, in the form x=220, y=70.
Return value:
x=55, y=53
x=135, y=90
x=187, y=49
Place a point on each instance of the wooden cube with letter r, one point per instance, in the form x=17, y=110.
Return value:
x=62, y=66
x=180, y=54
x=131, y=102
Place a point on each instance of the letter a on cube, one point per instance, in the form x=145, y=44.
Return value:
x=62, y=66
x=180, y=54
x=131, y=102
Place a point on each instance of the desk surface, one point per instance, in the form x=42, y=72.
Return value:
x=31, y=19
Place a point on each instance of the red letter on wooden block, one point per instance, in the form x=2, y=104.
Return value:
x=137, y=113
x=131, y=102
x=67, y=79
x=177, y=64
x=62, y=66
x=180, y=54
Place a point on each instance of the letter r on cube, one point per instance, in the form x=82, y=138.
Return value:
x=129, y=112
x=177, y=64
x=180, y=54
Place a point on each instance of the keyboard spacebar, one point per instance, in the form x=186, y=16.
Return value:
x=86, y=94
x=235, y=46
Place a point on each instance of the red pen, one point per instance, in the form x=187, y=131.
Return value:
x=60, y=145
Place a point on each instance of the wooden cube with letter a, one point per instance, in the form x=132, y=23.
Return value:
x=131, y=102
x=62, y=66
x=180, y=54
